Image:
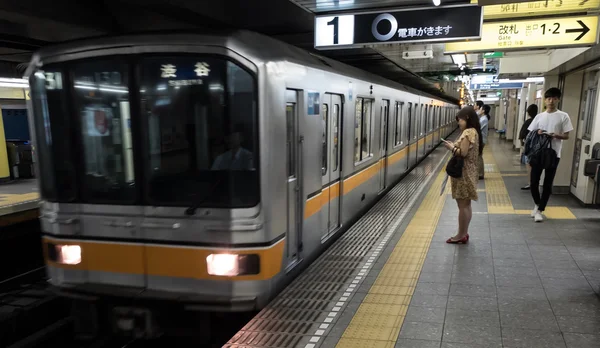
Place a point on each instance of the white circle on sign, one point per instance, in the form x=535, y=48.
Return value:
x=393, y=22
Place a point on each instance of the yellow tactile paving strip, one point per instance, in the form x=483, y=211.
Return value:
x=12, y=199
x=498, y=200
x=378, y=320
x=555, y=213
x=514, y=174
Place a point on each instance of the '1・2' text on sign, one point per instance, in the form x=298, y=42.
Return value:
x=535, y=33
x=435, y=25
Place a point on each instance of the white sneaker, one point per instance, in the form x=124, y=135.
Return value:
x=535, y=211
x=538, y=217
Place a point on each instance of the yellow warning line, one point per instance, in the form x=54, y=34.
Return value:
x=380, y=316
x=498, y=200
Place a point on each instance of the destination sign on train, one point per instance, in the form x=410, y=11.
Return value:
x=537, y=8
x=440, y=24
x=535, y=33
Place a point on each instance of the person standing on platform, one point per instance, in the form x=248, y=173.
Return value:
x=483, y=121
x=478, y=107
x=532, y=111
x=464, y=189
x=555, y=124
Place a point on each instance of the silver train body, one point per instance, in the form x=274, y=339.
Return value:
x=141, y=210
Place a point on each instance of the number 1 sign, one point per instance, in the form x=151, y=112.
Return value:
x=446, y=24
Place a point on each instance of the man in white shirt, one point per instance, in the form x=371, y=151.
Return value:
x=236, y=158
x=557, y=125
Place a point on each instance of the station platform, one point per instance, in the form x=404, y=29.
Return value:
x=392, y=281
x=18, y=201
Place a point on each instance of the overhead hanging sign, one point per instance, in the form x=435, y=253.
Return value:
x=537, y=8
x=499, y=85
x=493, y=55
x=538, y=33
x=443, y=24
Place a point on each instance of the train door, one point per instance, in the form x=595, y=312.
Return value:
x=385, y=118
x=294, y=227
x=331, y=113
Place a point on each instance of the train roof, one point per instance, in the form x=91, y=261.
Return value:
x=246, y=43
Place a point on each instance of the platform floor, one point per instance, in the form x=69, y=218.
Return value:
x=18, y=196
x=392, y=281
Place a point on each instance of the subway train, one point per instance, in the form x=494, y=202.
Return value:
x=200, y=172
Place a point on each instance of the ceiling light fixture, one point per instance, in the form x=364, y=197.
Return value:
x=459, y=59
x=437, y=2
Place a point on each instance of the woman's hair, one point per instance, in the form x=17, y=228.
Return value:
x=470, y=116
x=532, y=110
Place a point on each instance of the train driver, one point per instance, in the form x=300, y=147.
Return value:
x=236, y=158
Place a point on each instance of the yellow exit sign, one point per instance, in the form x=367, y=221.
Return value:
x=535, y=33
x=538, y=8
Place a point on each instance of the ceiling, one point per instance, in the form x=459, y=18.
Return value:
x=328, y=6
x=31, y=24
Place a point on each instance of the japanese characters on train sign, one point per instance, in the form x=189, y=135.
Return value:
x=440, y=24
x=535, y=33
x=537, y=8
x=184, y=76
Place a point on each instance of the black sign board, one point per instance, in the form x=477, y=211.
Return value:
x=439, y=24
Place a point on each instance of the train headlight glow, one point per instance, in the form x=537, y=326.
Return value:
x=68, y=254
x=222, y=264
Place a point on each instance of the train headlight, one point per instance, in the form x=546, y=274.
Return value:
x=230, y=265
x=65, y=254
x=222, y=264
x=69, y=254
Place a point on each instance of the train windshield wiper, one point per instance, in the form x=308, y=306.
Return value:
x=192, y=209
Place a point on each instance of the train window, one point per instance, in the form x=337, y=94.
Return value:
x=423, y=120
x=362, y=129
x=398, y=126
x=430, y=118
x=202, y=138
x=324, y=125
x=590, y=114
x=336, y=130
x=290, y=113
x=101, y=97
x=415, y=122
x=53, y=135
x=408, y=121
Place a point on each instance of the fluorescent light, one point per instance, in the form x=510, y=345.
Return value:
x=529, y=79
x=85, y=87
x=459, y=59
x=489, y=99
x=13, y=85
x=10, y=80
x=114, y=90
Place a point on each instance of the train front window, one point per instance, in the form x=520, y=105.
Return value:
x=101, y=97
x=202, y=132
x=53, y=135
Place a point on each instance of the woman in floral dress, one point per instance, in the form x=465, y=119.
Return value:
x=464, y=189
